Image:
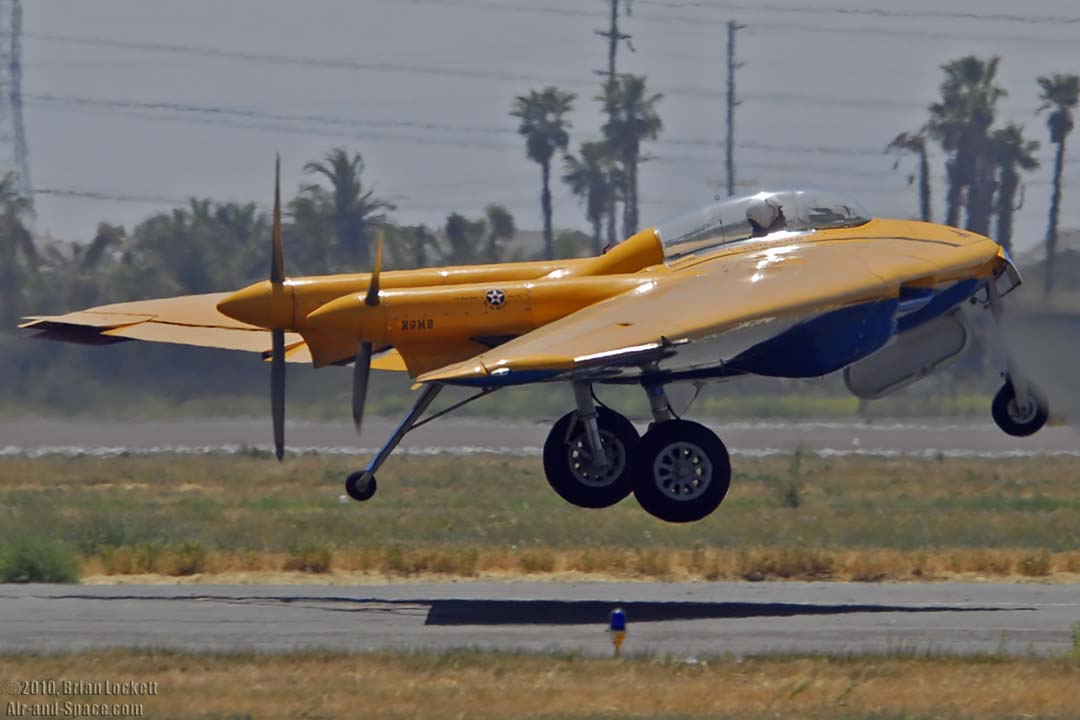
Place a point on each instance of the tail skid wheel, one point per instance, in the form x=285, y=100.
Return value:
x=361, y=485
x=569, y=466
x=1016, y=420
x=682, y=471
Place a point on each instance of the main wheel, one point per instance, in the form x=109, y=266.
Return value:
x=1017, y=420
x=568, y=461
x=361, y=485
x=681, y=471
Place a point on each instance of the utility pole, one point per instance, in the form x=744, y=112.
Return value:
x=613, y=36
x=14, y=156
x=732, y=66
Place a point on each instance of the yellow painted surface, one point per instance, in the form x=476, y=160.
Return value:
x=754, y=282
x=564, y=314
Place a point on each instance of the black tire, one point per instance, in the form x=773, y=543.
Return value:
x=361, y=486
x=1009, y=418
x=681, y=471
x=567, y=460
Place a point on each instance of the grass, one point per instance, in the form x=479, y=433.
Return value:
x=467, y=683
x=798, y=517
x=29, y=557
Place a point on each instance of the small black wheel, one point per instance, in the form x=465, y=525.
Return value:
x=681, y=471
x=568, y=460
x=361, y=485
x=1016, y=420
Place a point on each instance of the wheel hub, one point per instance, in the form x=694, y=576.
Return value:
x=1022, y=414
x=582, y=465
x=682, y=471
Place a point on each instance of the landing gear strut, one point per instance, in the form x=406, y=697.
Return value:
x=361, y=485
x=587, y=454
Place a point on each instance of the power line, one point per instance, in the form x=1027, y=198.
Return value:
x=889, y=13
x=704, y=22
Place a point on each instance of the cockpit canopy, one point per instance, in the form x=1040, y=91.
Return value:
x=729, y=221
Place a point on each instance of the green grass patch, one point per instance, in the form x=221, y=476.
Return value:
x=28, y=557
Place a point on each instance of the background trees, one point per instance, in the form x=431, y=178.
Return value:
x=1059, y=95
x=544, y=126
x=18, y=255
x=352, y=213
x=1012, y=153
x=633, y=119
x=591, y=177
x=961, y=122
x=915, y=142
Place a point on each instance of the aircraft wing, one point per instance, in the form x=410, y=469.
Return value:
x=709, y=313
x=186, y=320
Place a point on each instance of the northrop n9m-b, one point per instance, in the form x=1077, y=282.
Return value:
x=792, y=284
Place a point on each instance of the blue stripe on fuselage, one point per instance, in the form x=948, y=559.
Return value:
x=822, y=344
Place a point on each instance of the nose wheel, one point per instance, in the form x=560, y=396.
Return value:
x=681, y=471
x=1017, y=418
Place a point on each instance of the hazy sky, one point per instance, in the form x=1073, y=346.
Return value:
x=154, y=101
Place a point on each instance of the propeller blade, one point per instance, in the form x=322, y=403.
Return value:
x=277, y=390
x=372, y=297
x=361, y=371
x=277, y=263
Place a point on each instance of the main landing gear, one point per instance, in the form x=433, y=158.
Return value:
x=679, y=471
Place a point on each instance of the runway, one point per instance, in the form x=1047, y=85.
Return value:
x=682, y=619
x=28, y=436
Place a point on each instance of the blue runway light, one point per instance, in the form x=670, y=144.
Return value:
x=617, y=626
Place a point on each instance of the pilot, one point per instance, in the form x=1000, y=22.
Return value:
x=765, y=215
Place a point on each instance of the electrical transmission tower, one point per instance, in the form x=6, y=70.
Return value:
x=14, y=156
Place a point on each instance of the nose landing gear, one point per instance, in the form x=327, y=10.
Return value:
x=1020, y=409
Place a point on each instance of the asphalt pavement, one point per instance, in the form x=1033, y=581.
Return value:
x=682, y=619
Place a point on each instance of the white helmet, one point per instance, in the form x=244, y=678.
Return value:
x=763, y=210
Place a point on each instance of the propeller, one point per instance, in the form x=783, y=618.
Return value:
x=277, y=335
x=362, y=366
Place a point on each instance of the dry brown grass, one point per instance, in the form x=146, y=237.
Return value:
x=324, y=564
x=472, y=684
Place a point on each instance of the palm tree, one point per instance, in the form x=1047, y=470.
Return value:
x=589, y=177
x=464, y=237
x=501, y=227
x=1060, y=94
x=18, y=255
x=961, y=123
x=915, y=142
x=1012, y=153
x=353, y=213
x=633, y=119
x=544, y=125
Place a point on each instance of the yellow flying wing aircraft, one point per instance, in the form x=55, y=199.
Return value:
x=782, y=284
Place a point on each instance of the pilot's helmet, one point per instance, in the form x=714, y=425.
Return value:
x=763, y=210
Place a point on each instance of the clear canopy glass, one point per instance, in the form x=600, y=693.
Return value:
x=729, y=221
